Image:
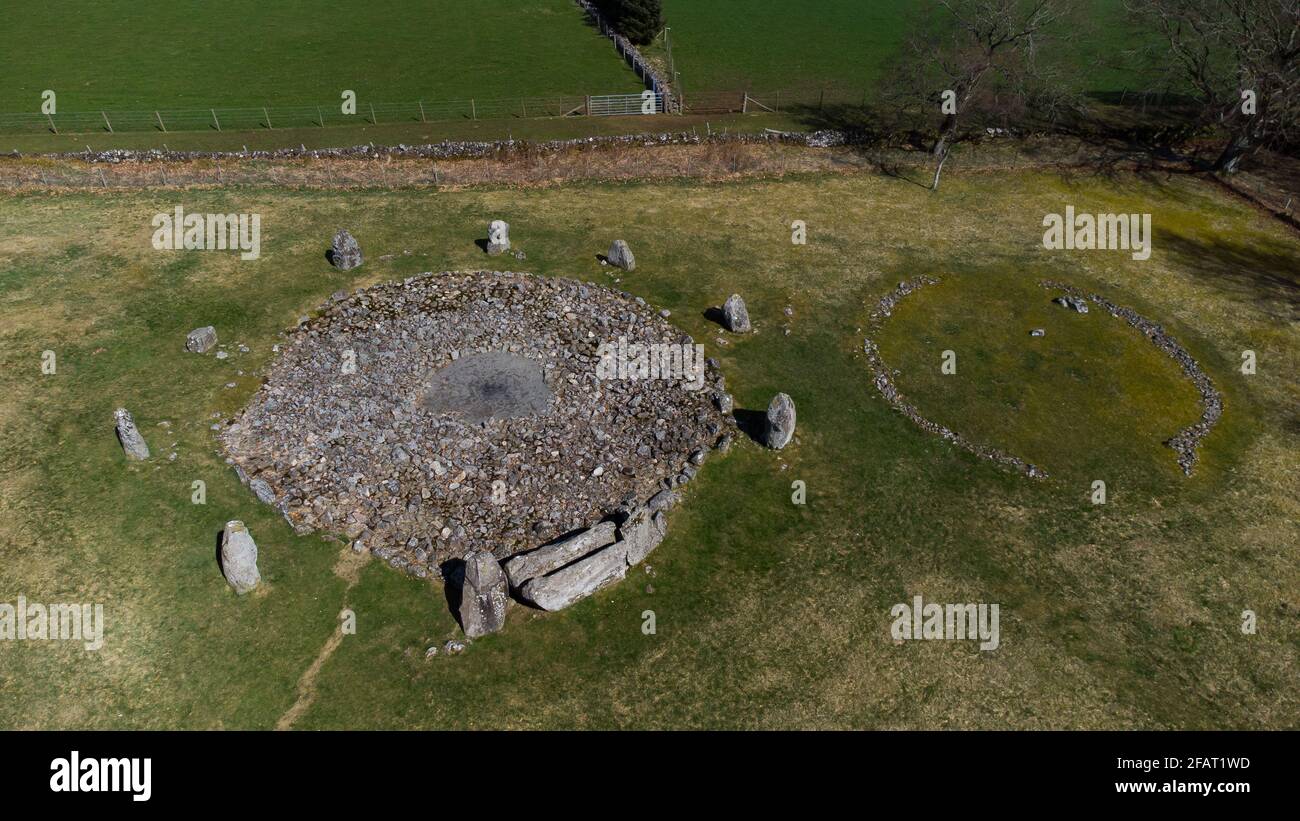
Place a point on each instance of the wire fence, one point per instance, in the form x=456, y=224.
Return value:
x=318, y=116
x=271, y=117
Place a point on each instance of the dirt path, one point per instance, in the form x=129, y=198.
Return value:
x=348, y=567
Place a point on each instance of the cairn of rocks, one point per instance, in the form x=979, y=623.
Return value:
x=1185, y=442
x=239, y=557
x=201, y=340
x=345, y=252
x=365, y=456
x=620, y=255
x=133, y=444
x=735, y=316
x=883, y=380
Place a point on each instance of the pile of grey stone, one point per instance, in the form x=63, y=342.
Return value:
x=362, y=455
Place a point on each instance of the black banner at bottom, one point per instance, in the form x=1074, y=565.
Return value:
x=336, y=770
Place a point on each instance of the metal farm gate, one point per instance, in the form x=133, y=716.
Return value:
x=615, y=104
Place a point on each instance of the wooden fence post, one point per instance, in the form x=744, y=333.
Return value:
x=422, y=112
x=372, y=115
x=473, y=111
x=268, y=118
x=320, y=117
x=106, y=122
x=214, y=118
x=160, y=122
x=53, y=127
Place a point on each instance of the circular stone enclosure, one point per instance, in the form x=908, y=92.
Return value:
x=461, y=411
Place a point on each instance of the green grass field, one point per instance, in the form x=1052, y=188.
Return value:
x=770, y=45
x=769, y=614
x=144, y=54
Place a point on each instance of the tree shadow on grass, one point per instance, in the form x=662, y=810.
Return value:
x=1265, y=272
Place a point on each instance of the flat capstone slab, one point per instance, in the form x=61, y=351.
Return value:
x=486, y=386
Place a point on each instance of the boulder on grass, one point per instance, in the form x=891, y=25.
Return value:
x=239, y=557
x=1074, y=303
x=133, y=444
x=621, y=255
x=201, y=340
x=345, y=253
x=498, y=237
x=735, y=316
x=780, y=422
x=483, y=596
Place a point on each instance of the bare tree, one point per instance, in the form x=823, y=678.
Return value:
x=979, y=54
x=1242, y=59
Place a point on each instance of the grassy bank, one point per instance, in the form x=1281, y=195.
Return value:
x=768, y=614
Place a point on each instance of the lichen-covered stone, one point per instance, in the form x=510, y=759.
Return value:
x=621, y=255
x=780, y=422
x=133, y=444
x=239, y=557
x=735, y=316
x=201, y=340
x=484, y=597
x=345, y=252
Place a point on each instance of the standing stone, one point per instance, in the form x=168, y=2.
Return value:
x=735, y=317
x=239, y=557
x=201, y=340
x=345, y=253
x=780, y=422
x=621, y=255
x=133, y=443
x=498, y=237
x=483, y=596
